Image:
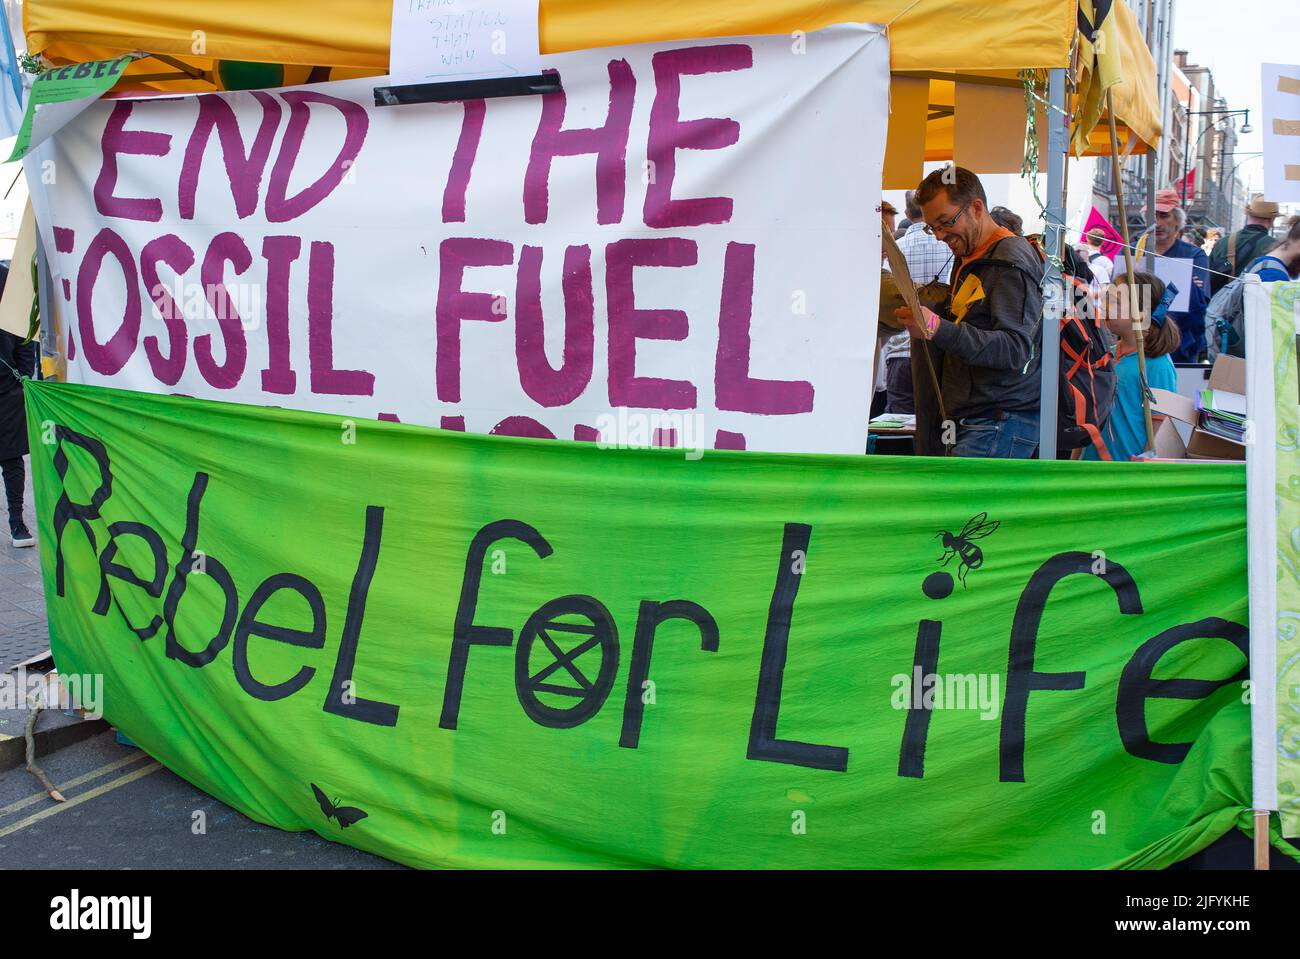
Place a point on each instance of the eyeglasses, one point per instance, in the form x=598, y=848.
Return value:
x=945, y=225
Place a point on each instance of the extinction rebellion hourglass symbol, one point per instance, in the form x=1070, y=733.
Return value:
x=547, y=626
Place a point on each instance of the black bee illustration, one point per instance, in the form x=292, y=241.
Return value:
x=969, y=556
x=344, y=815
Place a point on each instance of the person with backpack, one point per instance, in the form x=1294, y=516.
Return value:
x=1232, y=254
x=1282, y=262
x=1224, y=329
x=988, y=336
x=1125, y=308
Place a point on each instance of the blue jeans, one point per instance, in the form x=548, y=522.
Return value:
x=1003, y=436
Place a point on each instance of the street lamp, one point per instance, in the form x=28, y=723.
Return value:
x=1252, y=155
x=1187, y=140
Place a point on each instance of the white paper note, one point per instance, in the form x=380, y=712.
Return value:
x=1180, y=272
x=1225, y=402
x=437, y=40
x=1280, y=91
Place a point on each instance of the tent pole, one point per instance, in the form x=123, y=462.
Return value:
x=1053, y=284
x=1151, y=207
x=1128, y=263
x=1150, y=265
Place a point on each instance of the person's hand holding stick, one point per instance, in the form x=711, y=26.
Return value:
x=923, y=328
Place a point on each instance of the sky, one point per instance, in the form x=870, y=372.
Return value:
x=1233, y=39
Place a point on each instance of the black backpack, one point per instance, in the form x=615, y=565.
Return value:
x=1087, y=375
x=1234, y=257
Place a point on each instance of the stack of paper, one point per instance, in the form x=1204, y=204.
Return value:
x=893, y=421
x=1223, y=414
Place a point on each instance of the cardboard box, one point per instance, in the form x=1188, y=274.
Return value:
x=1228, y=375
x=1170, y=407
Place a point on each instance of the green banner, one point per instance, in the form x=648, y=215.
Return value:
x=73, y=88
x=459, y=650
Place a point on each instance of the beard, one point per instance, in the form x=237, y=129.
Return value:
x=958, y=245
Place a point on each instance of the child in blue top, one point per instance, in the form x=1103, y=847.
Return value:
x=1145, y=304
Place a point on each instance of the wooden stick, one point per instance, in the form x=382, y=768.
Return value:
x=34, y=705
x=1128, y=263
x=903, y=277
x=1261, y=839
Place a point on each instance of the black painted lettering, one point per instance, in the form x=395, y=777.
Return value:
x=65, y=511
x=1022, y=678
x=352, y=706
x=213, y=570
x=763, y=743
x=649, y=617
x=249, y=625
x=109, y=567
x=916, y=729
x=465, y=633
x=1136, y=685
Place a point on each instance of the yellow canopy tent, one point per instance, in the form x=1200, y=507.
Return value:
x=942, y=45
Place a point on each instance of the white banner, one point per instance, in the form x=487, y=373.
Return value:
x=680, y=250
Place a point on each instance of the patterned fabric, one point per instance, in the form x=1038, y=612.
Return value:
x=898, y=346
x=927, y=258
x=1285, y=318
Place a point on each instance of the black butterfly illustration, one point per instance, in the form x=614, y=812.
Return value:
x=344, y=815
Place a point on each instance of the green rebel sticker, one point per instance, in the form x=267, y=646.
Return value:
x=461, y=650
x=61, y=93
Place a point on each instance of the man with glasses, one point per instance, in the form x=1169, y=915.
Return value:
x=991, y=329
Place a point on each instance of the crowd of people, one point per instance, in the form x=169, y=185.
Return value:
x=986, y=329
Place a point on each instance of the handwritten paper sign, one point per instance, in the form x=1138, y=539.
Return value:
x=437, y=40
x=1178, y=272
x=666, y=253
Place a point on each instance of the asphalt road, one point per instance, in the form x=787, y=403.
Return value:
x=124, y=811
